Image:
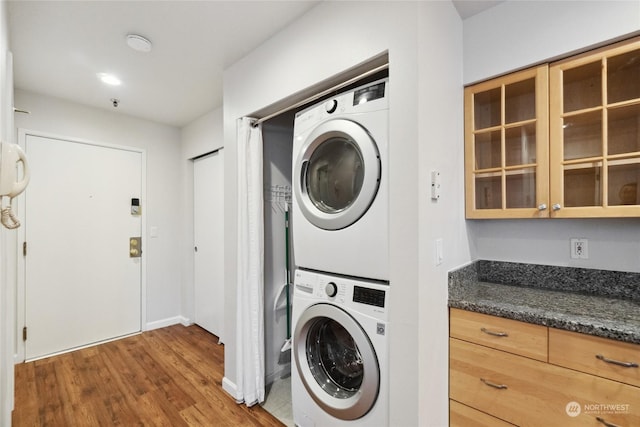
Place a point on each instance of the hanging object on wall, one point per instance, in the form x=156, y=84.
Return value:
x=10, y=184
x=279, y=196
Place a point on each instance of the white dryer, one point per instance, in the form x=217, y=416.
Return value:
x=340, y=183
x=340, y=351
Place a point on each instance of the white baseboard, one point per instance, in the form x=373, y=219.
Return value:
x=186, y=321
x=163, y=323
x=231, y=388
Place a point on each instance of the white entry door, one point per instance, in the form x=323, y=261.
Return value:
x=81, y=286
x=208, y=201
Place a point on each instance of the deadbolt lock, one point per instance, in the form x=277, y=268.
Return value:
x=135, y=247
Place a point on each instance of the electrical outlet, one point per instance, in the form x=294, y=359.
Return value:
x=579, y=249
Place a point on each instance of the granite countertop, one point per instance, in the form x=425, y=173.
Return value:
x=602, y=314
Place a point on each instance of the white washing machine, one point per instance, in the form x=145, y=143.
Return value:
x=340, y=183
x=340, y=351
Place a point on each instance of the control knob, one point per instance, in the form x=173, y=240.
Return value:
x=330, y=106
x=331, y=289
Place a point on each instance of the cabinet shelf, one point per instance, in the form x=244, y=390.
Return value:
x=575, y=113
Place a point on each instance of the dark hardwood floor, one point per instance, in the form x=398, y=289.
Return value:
x=165, y=377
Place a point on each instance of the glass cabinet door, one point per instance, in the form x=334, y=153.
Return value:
x=595, y=133
x=506, y=146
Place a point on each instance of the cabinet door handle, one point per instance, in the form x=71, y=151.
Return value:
x=495, y=334
x=542, y=206
x=603, y=421
x=556, y=206
x=494, y=385
x=617, y=362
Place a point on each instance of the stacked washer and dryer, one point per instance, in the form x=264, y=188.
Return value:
x=340, y=242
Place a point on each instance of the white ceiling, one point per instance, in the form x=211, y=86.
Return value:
x=60, y=46
x=468, y=8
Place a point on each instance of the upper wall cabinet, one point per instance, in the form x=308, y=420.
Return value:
x=506, y=146
x=595, y=133
x=559, y=140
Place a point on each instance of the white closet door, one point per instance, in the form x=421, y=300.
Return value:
x=208, y=196
x=81, y=286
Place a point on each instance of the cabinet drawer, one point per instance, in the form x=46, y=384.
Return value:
x=527, y=392
x=586, y=353
x=463, y=416
x=509, y=335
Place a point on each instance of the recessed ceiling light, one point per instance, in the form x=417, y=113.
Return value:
x=139, y=43
x=109, y=79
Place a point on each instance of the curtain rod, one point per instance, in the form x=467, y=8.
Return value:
x=321, y=94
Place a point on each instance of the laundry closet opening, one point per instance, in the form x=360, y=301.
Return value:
x=278, y=135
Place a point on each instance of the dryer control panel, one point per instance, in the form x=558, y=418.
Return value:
x=368, y=93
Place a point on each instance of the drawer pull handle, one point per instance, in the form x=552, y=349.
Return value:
x=494, y=385
x=603, y=421
x=616, y=362
x=495, y=334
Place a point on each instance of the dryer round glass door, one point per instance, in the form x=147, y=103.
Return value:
x=336, y=362
x=338, y=174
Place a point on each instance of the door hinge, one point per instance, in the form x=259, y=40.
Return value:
x=24, y=248
x=24, y=333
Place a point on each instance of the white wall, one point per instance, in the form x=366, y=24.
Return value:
x=331, y=38
x=203, y=135
x=7, y=308
x=516, y=34
x=162, y=146
x=441, y=141
x=199, y=137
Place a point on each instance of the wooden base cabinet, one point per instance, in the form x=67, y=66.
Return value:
x=615, y=360
x=465, y=416
x=512, y=336
x=515, y=389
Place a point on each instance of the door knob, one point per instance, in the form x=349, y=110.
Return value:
x=135, y=247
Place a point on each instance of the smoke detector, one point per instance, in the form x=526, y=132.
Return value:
x=139, y=43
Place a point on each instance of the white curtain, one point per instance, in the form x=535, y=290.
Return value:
x=250, y=302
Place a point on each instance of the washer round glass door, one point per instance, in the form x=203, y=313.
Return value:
x=336, y=362
x=338, y=173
